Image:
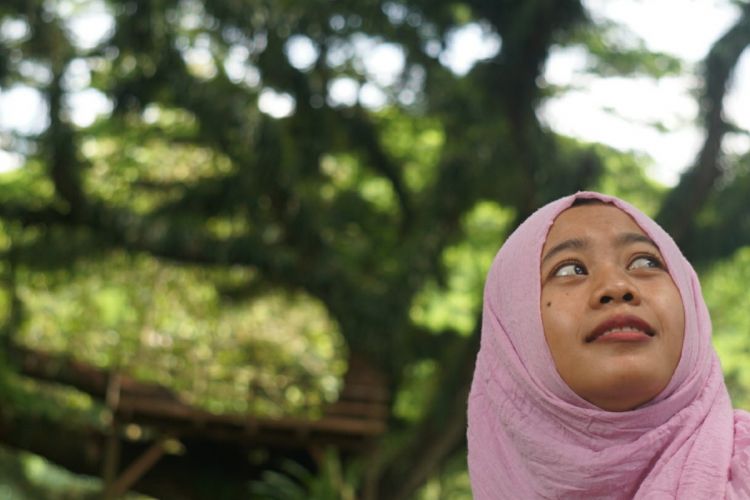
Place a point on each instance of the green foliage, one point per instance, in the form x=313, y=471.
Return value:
x=616, y=51
x=148, y=161
x=197, y=238
x=624, y=176
x=725, y=290
x=20, y=480
x=334, y=481
x=24, y=476
x=272, y=354
x=452, y=483
x=416, y=391
x=455, y=305
x=28, y=397
x=414, y=142
x=722, y=226
x=28, y=184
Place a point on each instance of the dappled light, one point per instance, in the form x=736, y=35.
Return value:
x=243, y=244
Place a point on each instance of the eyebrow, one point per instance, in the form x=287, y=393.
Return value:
x=628, y=238
x=571, y=244
x=580, y=244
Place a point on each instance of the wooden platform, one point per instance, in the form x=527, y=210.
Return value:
x=153, y=419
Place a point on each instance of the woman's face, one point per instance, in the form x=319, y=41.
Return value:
x=613, y=318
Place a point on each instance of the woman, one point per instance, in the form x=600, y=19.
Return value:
x=596, y=377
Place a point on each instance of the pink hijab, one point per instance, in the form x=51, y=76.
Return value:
x=530, y=436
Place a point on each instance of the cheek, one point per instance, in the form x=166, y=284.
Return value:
x=672, y=318
x=677, y=322
x=558, y=320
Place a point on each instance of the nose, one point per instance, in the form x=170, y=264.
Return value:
x=614, y=287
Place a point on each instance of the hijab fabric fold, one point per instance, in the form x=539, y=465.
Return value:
x=530, y=436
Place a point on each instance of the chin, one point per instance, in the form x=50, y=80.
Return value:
x=624, y=390
x=623, y=404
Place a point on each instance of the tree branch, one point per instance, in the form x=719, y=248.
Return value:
x=362, y=133
x=683, y=203
x=443, y=430
x=93, y=381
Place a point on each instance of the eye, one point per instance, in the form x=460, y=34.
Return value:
x=646, y=261
x=570, y=269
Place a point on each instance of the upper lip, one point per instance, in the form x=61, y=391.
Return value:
x=618, y=321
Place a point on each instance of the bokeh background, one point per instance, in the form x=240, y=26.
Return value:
x=243, y=242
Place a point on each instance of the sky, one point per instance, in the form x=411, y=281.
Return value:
x=617, y=111
x=621, y=111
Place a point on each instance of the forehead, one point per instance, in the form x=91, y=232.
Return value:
x=590, y=221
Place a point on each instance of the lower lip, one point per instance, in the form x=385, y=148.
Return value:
x=623, y=337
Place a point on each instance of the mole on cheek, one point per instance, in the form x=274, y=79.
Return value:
x=549, y=304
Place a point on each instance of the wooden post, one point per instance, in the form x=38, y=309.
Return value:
x=137, y=469
x=112, y=448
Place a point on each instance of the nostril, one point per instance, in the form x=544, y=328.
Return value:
x=605, y=299
x=627, y=297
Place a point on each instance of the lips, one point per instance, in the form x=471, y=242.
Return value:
x=625, y=322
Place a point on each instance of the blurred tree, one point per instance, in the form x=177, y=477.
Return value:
x=258, y=173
